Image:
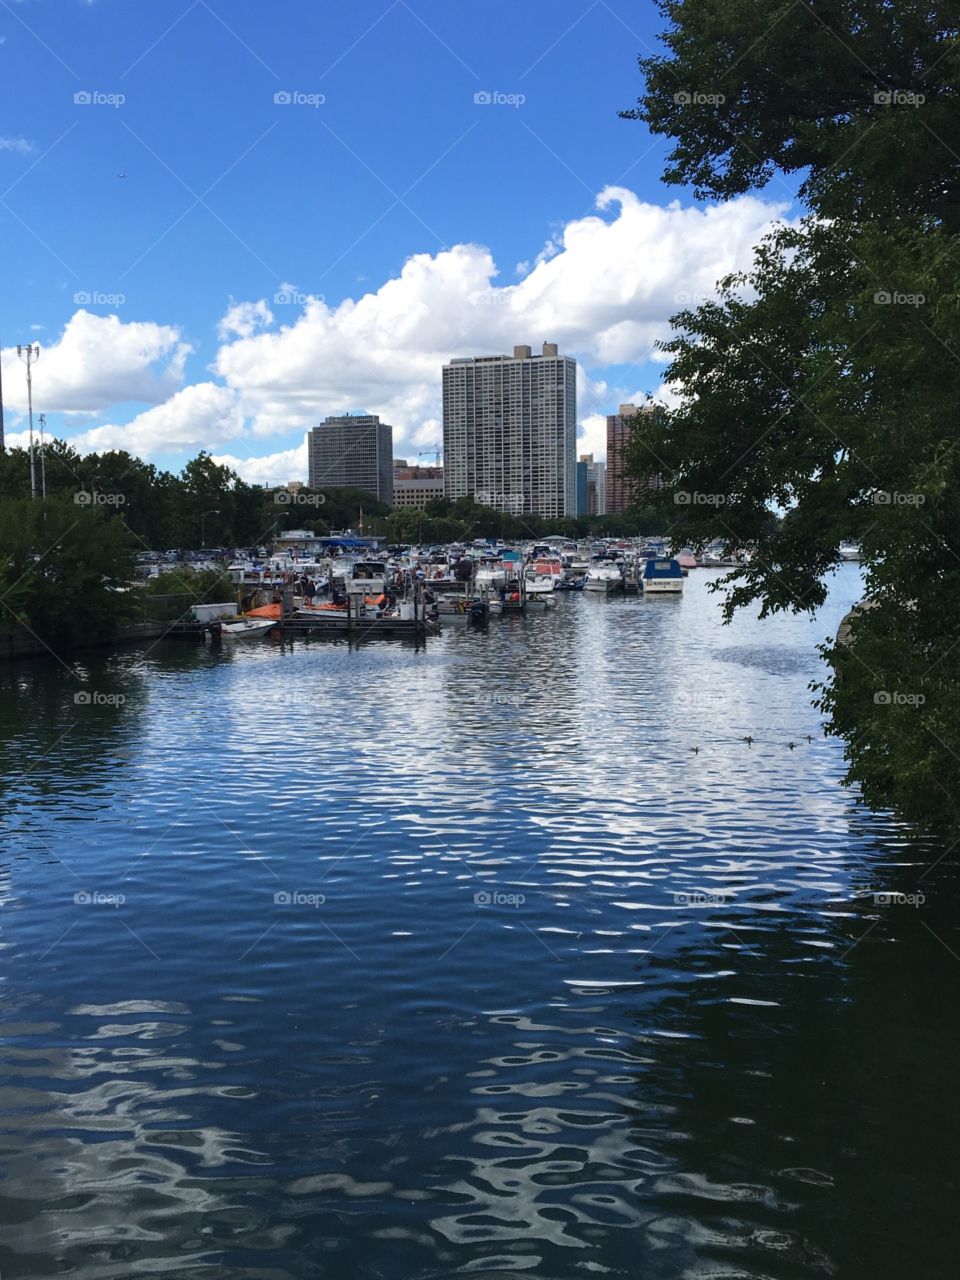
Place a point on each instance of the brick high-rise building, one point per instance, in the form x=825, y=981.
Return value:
x=622, y=491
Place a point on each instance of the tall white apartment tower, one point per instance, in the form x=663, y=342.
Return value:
x=510, y=431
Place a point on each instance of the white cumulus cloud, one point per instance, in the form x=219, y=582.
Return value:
x=99, y=362
x=603, y=288
x=244, y=319
x=198, y=416
x=271, y=468
x=605, y=295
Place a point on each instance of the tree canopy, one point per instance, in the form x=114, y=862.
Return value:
x=65, y=571
x=207, y=503
x=821, y=384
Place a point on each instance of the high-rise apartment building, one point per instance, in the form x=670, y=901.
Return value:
x=601, y=487
x=510, y=430
x=353, y=450
x=623, y=491
x=591, y=486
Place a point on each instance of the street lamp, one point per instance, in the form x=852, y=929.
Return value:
x=42, y=419
x=30, y=354
x=203, y=519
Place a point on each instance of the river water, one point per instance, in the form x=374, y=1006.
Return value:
x=506, y=956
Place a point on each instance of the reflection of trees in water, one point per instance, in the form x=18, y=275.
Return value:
x=753, y=1102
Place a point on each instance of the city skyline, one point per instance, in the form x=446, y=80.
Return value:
x=325, y=239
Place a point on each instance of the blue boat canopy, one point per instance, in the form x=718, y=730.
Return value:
x=662, y=569
x=347, y=543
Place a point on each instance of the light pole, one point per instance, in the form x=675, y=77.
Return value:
x=42, y=419
x=214, y=511
x=30, y=354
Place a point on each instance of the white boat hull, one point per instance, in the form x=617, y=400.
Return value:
x=603, y=586
x=665, y=586
x=246, y=630
x=327, y=619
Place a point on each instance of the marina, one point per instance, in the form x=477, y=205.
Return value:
x=308, y=589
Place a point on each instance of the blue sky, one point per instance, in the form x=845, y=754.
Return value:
x=231, y=198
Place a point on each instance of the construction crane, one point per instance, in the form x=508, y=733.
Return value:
x=435, y=448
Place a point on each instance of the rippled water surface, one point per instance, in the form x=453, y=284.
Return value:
x=502, y=957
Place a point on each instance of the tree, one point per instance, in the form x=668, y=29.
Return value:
x=820, y=386
x=69, y=567
x=172, y=594
x=838, y=92
x=207, y=489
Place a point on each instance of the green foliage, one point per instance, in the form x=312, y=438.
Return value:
x=858, y=96
x=173, y=593
x=67, y=571
x=895, y=698
x=822, y=385
x=335, y=509
x=206, y=504
x=443, y=520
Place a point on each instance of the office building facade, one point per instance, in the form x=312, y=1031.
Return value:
x=354, y=450
x=416, y=486
x=510, y=429
x=591, y=486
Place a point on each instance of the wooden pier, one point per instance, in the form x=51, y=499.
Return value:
x=358, y=620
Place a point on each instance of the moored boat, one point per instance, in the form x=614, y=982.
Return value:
x=543, y=576
x=603, y=578
x=246, y=628
x=661, y=577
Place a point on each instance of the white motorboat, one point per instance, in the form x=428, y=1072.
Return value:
x=603, y=577
x=491, y=573
x=246, y=628
x=466, y=608
x=662, y=577
x=542, y=576
x=366, y=578
x=326, y=617
x=849, y=551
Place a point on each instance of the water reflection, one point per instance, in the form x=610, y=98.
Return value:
x=503, y=956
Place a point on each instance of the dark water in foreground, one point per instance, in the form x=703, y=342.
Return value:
x=551, y=994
